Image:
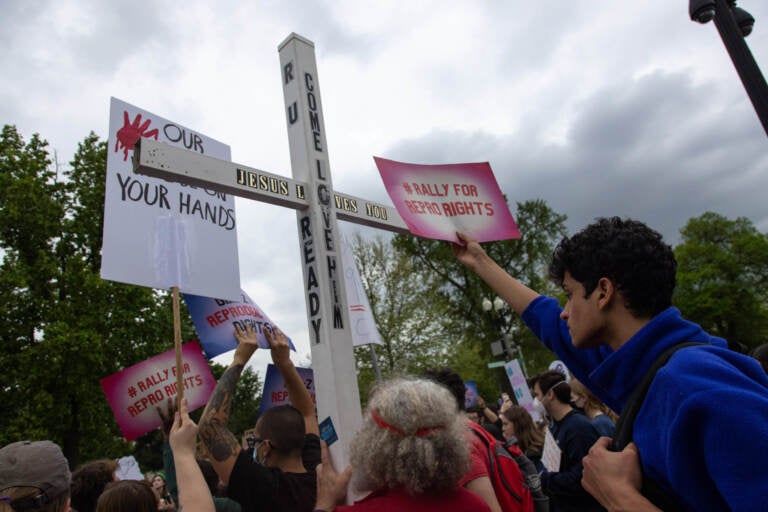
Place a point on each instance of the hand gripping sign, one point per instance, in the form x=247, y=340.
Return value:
x=215, y=321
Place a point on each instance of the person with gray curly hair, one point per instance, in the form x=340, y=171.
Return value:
x=410, y=452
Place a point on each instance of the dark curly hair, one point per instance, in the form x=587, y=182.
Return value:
x=761, y=354
x=451, y=380
x=629, y=253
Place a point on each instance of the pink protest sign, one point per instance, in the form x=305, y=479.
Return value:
x=436, y=201
x=134, y=393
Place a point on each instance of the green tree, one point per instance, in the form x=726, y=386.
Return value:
x=463, y=292
x=407, y=312
x=65, y=327
x=428, y=307
x=722, y=278
x=30, y=208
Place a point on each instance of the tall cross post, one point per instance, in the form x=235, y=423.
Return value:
x=318, y=207
x=319, y=241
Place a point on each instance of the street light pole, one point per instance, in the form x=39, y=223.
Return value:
x=507, y=341
x=743, y=60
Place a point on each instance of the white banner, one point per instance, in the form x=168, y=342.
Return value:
x=364, y=331
x=162, y=234
x=520, y=387
x=551, y=455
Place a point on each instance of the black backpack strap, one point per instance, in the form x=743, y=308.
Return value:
x=625, y=427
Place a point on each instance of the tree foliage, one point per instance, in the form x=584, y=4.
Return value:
x=525, y=258
x=428, y=307
x=68, y=327
x=722, y=278
x=64, y=327
x=407, y=311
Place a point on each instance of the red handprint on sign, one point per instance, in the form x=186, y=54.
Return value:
x=131, y=132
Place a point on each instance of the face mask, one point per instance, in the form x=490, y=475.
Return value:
x=539, y=409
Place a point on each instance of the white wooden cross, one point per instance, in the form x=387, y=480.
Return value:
x=317, y=207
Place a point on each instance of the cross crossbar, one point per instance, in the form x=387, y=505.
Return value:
x=161, y=160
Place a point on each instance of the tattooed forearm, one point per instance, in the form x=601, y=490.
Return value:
x=221, y=399
x=219, y=441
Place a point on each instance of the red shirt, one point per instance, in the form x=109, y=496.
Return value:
x=456, y=500
x=478, y=459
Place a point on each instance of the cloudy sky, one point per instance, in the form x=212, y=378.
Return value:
x=598, y=107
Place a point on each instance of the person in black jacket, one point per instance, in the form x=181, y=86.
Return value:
x=575, y=435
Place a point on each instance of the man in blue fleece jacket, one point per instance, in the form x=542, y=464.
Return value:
x=705, y=416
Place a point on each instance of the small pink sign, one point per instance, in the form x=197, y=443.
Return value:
x=436, y=201
x=134, y=393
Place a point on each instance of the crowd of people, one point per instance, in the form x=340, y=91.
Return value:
x=704, y=416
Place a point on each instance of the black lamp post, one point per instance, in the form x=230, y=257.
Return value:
x=734, y=24
x=506, y=344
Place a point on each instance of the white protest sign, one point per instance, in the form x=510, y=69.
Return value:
x=520, y=387
x=559, y=366
x=162, y=234
x=128, y=469
x=361, y=320
x=551, y=455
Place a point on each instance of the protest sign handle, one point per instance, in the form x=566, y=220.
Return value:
x=177, y=345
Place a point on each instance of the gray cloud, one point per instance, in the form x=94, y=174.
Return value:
x=89, y=37
x=657, y=149
x=600, y=108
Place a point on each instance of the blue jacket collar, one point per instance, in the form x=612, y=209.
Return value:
x=622, y=369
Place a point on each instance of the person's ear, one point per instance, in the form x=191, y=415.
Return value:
x=266, y=447
x=605, y=292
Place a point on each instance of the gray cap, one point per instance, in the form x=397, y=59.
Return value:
x=39, y=464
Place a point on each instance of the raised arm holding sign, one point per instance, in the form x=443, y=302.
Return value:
x=215, y=319
x=287, y=446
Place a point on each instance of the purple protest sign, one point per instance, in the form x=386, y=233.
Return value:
x=470, y=394
x=215, y=322
x=275, y=393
